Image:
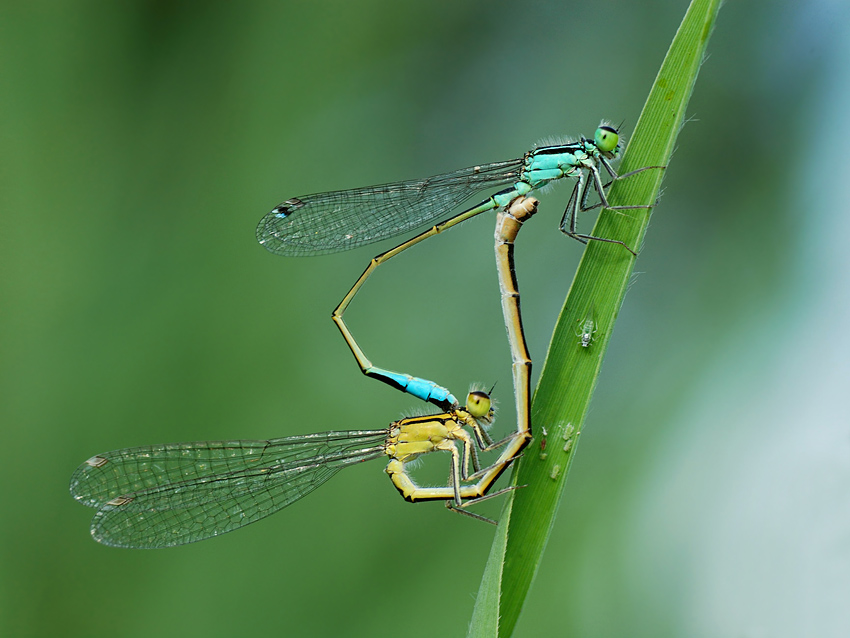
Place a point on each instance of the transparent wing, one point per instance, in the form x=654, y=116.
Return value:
x=164, y=495
x=340, y=220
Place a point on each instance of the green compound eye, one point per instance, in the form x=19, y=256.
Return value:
x=478, y=404
x=606, y=139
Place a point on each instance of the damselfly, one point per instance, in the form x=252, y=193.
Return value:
x=341, y=220
x=164, y=495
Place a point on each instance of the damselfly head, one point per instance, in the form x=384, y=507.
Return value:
x=479, y=405
x=607, y=140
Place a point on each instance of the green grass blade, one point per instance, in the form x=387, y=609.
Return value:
x=485, y=623
x=570, y=372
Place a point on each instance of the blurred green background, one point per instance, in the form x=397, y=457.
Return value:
x=143, y=141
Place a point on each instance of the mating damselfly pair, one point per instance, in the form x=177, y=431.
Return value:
x=163, y=495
